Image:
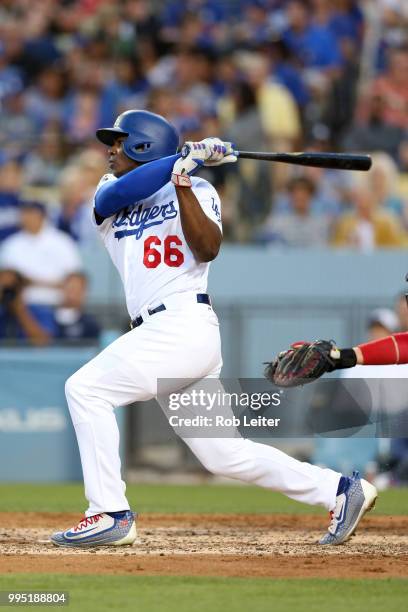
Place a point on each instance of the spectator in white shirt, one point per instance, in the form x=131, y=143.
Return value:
x=43, y=256
x=298, y=226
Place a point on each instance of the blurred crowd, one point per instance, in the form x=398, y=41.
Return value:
x=267, y=74
x=273, y=75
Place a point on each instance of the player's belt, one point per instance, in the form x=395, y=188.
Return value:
x=202, y=298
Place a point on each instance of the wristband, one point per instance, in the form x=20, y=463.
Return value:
x=347, y=359
x=181, y=180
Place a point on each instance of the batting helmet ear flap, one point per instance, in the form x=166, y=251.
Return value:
x=147, y=136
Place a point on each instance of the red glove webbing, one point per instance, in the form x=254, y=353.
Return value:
x=389, y=350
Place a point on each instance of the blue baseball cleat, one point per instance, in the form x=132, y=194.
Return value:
x=114, y=529
x=358, y=497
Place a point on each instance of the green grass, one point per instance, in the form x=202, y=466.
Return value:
x=155, y=593
x=177, y=498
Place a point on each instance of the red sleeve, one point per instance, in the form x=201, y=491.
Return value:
x=389, y=350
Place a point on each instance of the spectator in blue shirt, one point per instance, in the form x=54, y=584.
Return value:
x=74, y=215
x=10, y=77
x=10, y=185
x=45, y=99
x=347, y=21
x=286, y=70
x=73, y=322
x=19, y=132
x=209, y=11
x=18, y=322
x=128, y=89
x=314, y=44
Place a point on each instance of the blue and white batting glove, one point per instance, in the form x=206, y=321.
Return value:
x=207, y=152
x=222, y=152
x=193, y=156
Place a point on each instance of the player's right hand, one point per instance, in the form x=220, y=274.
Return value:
x=193, y=156
x=222, y=152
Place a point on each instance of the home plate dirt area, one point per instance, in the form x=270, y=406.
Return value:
x=246, y=545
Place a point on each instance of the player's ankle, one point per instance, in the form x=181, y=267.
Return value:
x=117, y=515
x=344, y=484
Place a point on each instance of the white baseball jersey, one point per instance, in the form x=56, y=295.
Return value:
x=147, y=245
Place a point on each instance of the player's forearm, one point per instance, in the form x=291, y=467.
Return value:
x=386, y=351
x=137, y=184
x=359, y=355
x=202, y=235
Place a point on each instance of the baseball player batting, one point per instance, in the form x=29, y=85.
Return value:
x=162, y=228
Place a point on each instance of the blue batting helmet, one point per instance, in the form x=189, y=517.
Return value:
x=147, y=136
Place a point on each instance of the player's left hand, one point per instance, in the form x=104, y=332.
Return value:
x=222, y=152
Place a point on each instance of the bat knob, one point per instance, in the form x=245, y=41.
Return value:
x=185, y=151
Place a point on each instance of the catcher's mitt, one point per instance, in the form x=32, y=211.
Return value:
x=303, y=363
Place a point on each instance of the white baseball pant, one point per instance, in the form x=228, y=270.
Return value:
x=182, y=341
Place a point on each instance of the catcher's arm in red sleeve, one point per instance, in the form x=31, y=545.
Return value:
x=390, y=350
x=386, y=351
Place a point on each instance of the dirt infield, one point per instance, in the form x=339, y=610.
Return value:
x=212, y=545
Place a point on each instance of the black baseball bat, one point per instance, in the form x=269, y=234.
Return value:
x=337, y=161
